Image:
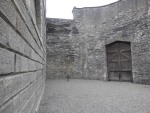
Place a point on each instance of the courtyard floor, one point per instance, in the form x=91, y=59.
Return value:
x=93, y=96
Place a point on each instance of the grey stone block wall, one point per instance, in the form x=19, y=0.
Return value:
x=125, y=20
x=91, y=30
x=59, y=48
x=22, y=55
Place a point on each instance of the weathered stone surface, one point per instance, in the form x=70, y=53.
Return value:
x=26, y=108
x=20, y=52
x=38, y=74
x=33, y=76
x=121, y=21
x=39, y=66
x=59, y=50
x=21, y=27
x=31, y=25
x=15, y=41
x=21, y=64
x=32, y=65
x=4, y=29
x=12, y=85
x=7, y=8
x=26, y=79
x=25, y=96
x=6, y=61
x=8, y=107
x=91, y=30
x=17, y=103
x=10, y=39
x=36, y=57
x=1, y=91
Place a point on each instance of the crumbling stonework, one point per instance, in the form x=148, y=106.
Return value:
x=22, y=55
x=96, y=27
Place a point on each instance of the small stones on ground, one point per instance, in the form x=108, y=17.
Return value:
x=93, y=96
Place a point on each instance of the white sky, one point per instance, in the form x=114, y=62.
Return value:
x=63, y=8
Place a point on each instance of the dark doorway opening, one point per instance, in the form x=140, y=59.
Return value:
x=119, y=61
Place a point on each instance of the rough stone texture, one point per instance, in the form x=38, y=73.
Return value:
x=92, y=96
x=6, y=61
x=7, y=8
x=59, y=48
x=95, y=27
x=3, y=32
x=125, y=20
x=22, y=55
x=1, y=91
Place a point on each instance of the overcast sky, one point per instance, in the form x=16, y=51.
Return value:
x=63, y=8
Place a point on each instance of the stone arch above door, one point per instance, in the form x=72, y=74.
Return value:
x=112, y=40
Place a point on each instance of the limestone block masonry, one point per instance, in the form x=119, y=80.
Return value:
x=92, y=29
x=22, y=55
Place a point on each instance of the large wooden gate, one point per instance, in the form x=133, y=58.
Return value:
x=119, y=61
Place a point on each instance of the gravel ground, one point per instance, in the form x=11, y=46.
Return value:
x=93, y=96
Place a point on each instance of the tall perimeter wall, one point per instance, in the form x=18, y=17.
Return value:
x=125, y=20
x=91, y=30
x=59, y=48
x=22, y=55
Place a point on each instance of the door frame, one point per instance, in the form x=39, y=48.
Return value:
x=108, y=42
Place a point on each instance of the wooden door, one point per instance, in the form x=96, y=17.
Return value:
x=119, y=61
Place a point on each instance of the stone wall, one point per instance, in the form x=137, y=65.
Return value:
x=125, y=20
x=59, y=49
x=22, y=55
